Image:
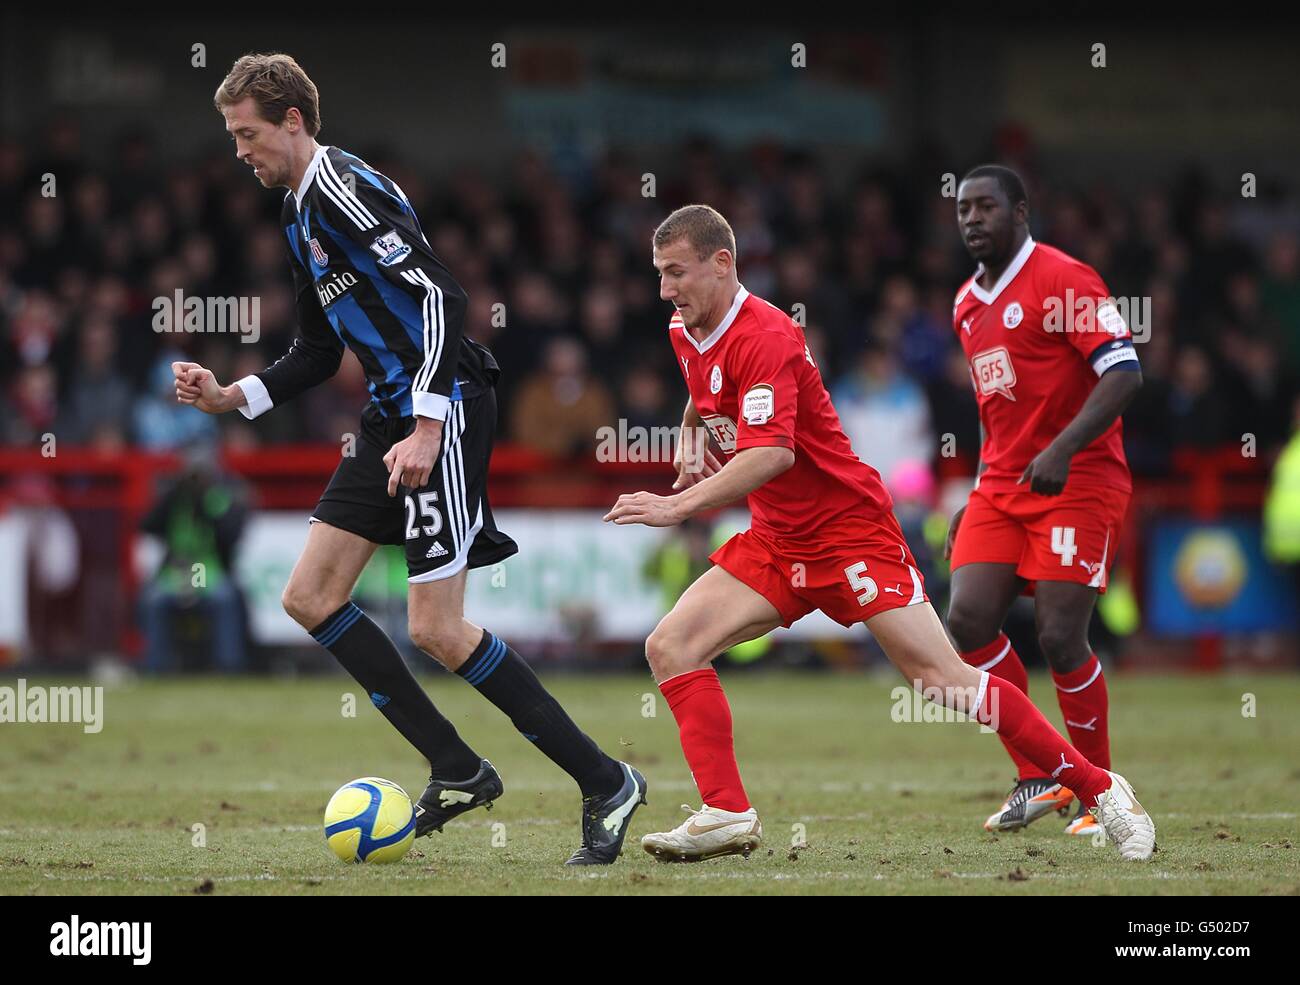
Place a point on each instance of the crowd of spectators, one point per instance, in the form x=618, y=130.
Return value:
x=557, y=268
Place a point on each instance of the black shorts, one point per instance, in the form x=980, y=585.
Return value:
x=446, y=525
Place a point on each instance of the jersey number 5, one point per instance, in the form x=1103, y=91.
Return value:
x=861, y=583
x=429, y=509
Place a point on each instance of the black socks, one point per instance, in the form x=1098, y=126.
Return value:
x=366, y=652
x=501, y=675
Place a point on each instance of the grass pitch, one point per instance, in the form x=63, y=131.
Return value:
x=851, y=801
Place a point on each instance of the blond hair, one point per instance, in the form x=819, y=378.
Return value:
x=700, y=225
x=276, y=82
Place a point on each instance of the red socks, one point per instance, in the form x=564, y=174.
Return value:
x=1082, y=694
x=1000, y=659
x=704, y=721
x=1006, y=709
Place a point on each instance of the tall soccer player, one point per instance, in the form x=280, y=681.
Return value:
x=823, y=537
x=1053, y=366
x=367, y=279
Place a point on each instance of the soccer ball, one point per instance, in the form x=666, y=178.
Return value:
x=369, y=820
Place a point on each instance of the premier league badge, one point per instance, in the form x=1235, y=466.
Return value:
x=390, y=249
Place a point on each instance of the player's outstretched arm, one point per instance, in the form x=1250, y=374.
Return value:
x=749, y=469
x=313, y=357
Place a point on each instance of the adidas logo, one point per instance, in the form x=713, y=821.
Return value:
x=437, y=550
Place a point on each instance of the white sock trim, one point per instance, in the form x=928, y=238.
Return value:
x=979, y=694
x=998, y=659
x=1074, y=690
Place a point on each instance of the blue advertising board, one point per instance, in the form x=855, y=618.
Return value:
x=1212, y=577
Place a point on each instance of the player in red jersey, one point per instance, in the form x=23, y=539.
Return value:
x=1053, y=365
x=823, y=537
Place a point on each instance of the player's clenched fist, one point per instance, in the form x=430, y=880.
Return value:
x=197, y=387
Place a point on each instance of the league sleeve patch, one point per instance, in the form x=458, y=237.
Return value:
x=1110, y=320
x=390, y=248
x=758, y=405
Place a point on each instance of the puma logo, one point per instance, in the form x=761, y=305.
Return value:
x=1090, y=725
x=896, y=591
x=449, y=797
x=1062, y=768
x=614, y=823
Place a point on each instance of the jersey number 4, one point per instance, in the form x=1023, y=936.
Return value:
x=1063, y=544
x=429, y=509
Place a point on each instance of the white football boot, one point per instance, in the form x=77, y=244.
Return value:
x=707, y=833
x=1125, y=821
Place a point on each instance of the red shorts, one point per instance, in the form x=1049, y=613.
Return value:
x=1071, y=537
x=859, y=569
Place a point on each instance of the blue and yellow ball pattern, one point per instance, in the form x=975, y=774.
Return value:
x=369, y=820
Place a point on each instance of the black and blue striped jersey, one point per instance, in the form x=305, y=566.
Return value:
x=365, y=277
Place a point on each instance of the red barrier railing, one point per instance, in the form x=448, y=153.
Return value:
x=1206, y=484
x=282, y=478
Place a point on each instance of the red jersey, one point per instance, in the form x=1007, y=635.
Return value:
x=754, y=383
x=1037, y=343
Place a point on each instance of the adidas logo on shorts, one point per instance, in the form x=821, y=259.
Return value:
x=437, y=550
